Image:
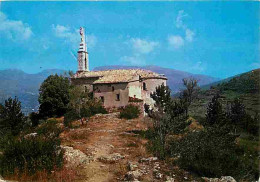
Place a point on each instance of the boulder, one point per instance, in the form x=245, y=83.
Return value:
x=131, y=166
x=30, y=135
x=75, y=157
x=169, y=179
x=149, y=159
x=133, y=175
x=222, y=179
x=158, y=175
x=111, y=158
x=227, y=179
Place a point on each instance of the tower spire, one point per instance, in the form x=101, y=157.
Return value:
x=83, y=62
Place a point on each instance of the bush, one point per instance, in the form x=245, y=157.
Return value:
x=98, y=109
x=70, y=116
x=35, y=119
x=81, y=105
x=29, y=154
x=212, y=153
x=49, y=129
x=130, y=112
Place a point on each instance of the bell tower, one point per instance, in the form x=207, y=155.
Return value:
x=83, y=64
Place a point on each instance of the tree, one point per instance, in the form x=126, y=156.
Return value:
x=190, y=93
x=162, y=97
x=215, y=115
x=240, y=120
x=82, y=104
x=168, y=118
x=12, y=118
x=76, y=103
x=54, y=96
x=237, y=114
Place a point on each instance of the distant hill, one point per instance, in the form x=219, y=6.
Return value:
x=245, y=86
x=248, y=82
x=174, y=76
x=25, y=86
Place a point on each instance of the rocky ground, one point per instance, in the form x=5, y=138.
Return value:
x=105, y=149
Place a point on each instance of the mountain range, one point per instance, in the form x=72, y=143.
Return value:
x=14, y=82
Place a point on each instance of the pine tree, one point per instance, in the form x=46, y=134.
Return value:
x=215, y=115
x=162, y=97
x=12, y=118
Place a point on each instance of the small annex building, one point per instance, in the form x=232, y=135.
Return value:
x=116, y=88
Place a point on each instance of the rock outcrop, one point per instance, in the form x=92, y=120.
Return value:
x=75, y=157
x=222, y=179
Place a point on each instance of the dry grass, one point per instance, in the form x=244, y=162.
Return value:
x=140, y=151
x=25, y=176
x=78, y=135
x=119, y=169
x=60, y=175
x=65, y=174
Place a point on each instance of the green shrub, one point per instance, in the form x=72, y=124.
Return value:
x=130, y=112
x=70, y=116
x=212, y=153
x=49, y=129
x=89, y=109
x=29, y=153
x=81, y=104
x=157, y=147
x=98, y=109
x=35, y=119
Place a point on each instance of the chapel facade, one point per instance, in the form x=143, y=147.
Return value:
x=115, y=88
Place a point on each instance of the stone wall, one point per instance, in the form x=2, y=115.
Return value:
x=109, y=93
x=135, y=89
x=84, y=82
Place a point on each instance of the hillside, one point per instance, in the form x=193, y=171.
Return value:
x=245, y=86
x=25, y=86
x=174, y=76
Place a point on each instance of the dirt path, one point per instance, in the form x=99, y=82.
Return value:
x=116, y=153
x=111, y=144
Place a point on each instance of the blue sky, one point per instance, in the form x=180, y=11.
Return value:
x=219, y=39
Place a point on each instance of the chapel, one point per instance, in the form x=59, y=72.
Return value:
x=115, y=88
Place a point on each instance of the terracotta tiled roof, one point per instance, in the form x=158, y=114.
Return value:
x=120, y=75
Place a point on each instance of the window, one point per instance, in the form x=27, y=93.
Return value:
x=118, y=97
x=144, y=86
x=102, y=99
x=113, y=88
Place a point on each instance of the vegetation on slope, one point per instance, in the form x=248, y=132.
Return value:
x=225, y=144
x=24, y=149
x=245, y=86
x=30, y=146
